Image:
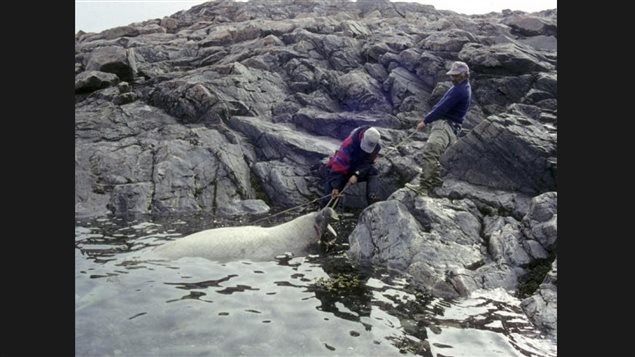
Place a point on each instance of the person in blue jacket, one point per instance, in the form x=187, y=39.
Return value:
x=354, y=162
x=445, y=120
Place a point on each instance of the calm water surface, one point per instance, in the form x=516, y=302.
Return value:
x=128, y=303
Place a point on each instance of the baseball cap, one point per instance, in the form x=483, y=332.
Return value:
x=370, y=140
x=457, y=68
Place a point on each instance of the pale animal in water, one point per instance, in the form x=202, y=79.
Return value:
x=252, y=242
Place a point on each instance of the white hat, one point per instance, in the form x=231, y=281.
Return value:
x=370, y=140
x=458, y=67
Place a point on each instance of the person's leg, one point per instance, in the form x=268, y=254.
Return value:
x=324, y=172
x=327, y=191
x=372, y=189
x=441, y=136
x=372, y=185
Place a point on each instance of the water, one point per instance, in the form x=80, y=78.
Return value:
x=128, y=304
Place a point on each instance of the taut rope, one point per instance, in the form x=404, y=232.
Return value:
x=289, y=209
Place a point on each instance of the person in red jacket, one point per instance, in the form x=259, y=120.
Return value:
x=354, y=162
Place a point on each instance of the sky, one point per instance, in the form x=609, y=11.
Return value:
x=99, y=15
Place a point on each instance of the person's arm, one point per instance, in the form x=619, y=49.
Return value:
x=366, y=164
x=443, y=106
x=337, y=181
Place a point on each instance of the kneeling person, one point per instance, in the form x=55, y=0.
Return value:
x=354, y=162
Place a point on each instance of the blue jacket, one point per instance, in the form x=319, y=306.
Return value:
x=453, y=105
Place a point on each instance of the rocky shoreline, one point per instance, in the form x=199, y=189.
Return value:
x=230, y=108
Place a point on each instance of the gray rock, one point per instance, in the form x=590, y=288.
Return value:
x=542, y=307
x=542, y=43
x=506, y=152
x=239, y=208
x=541, y=222
x=132, y=198
x=278, y=141
x=286, y=184
x=93, y=80
x=113, y=59
x=504, y=58
x=528, y=25
x=506, y=241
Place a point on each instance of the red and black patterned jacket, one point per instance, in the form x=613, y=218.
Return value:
x=350, y=158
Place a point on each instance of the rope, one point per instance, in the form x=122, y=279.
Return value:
x=289, y=209
x=306, y=204
x=331, y=243
x=337, y=197
x=328, y=244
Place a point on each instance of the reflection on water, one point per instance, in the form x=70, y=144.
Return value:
x=128, y=303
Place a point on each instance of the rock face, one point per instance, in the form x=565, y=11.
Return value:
x=231, y=107
x=507, y=152
x=453, y=247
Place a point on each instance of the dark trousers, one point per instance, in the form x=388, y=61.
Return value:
x=335, y=180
